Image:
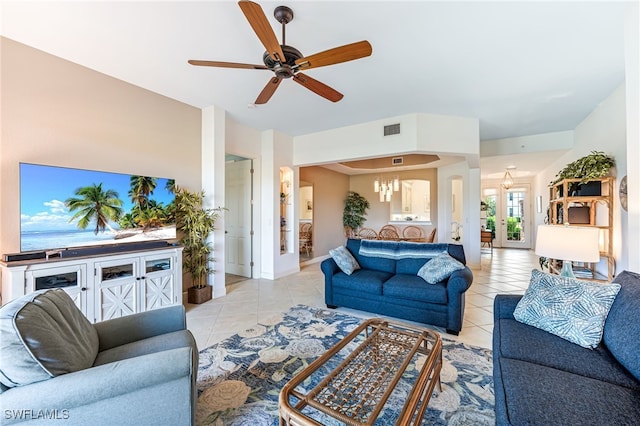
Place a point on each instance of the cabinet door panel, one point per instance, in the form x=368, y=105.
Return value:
x=158, y=288
x=116, y=289
x=71, y=278
x=158, y=292
x=116, y=300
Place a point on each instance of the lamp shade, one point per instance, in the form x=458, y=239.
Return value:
x=572, y=243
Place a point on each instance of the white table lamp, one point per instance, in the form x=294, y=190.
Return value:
x=568, y=243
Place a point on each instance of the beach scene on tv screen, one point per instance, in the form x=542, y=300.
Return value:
x=64, y=207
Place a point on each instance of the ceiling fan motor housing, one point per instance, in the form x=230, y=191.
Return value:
x=285, y=69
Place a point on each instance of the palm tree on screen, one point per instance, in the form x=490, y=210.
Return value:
x=153, y=216
x=95, y=204
x=170, y=209
x=170, y=186
x=141, y=188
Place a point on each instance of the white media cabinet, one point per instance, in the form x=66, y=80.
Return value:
x=103, y=286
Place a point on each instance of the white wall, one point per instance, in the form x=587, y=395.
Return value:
x=213, y=185
x=419, y=133
x=288, y=262
x=457, y=193
x=602, y=130
x=545, y=142
x=630, y=222
x=470, y=208
x=270, y=150
x=246, y=142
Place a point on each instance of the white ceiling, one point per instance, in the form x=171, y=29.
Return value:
x=522, y=68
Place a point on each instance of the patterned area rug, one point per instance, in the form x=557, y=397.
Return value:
x=239, y=379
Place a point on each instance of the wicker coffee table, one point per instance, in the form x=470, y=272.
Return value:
x=355, y=383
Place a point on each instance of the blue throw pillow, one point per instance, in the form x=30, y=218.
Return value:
x=344, y=259
x=439, y=268
x=569, y=308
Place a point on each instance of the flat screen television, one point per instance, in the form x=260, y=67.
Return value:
x=64, y=207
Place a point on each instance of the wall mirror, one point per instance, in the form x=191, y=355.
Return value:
x=413, y=203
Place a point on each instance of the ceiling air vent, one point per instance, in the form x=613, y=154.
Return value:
x=392, y=129
x=397, y=161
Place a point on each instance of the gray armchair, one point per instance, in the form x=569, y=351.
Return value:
x=135, y=370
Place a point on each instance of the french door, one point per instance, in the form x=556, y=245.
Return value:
x=515, y=217
x=507, y=213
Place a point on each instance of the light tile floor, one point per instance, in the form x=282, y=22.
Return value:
x=250, y=301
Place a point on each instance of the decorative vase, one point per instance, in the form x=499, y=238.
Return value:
x=197, y=295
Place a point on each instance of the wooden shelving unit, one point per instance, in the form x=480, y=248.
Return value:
x=565, y=196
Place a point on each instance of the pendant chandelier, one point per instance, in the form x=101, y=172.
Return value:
x=386, y=187
x=507, y=180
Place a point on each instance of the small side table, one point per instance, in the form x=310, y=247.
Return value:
x=486, y=237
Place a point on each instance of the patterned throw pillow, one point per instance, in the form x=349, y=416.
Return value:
x=439, y=268
x=569, y=308
x=345, y=260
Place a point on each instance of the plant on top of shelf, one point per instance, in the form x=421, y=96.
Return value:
x=195, y=223
x=355, y=207
x=593, y=166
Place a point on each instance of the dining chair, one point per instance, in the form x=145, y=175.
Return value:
x=389, y=232
x=305, y=239
x=367, y=234
x=412, y=233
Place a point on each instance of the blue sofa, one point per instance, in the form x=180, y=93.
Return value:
x=391, y=287
x=542, y=379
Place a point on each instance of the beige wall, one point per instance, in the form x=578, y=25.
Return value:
x=58, y=113
x=329, y=192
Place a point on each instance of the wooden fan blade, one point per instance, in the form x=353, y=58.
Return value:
x=345, y=53
x=317, y=87
x=268, y=91
x=258, y=21
x=226, y=64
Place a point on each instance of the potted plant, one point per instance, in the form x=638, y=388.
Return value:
x=195, y=223
x=593, y=166
x=355, y=207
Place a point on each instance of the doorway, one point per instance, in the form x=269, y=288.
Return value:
x=507, y=214
x=239, y=217
x=305, y=221
x=515, y=222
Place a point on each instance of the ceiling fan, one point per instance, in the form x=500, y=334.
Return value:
x=287, y=61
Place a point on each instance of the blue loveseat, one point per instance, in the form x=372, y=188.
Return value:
x=390, y=286
x=542, y=379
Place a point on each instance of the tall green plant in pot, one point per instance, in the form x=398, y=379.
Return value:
x=355, y=207
x=195, y=223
